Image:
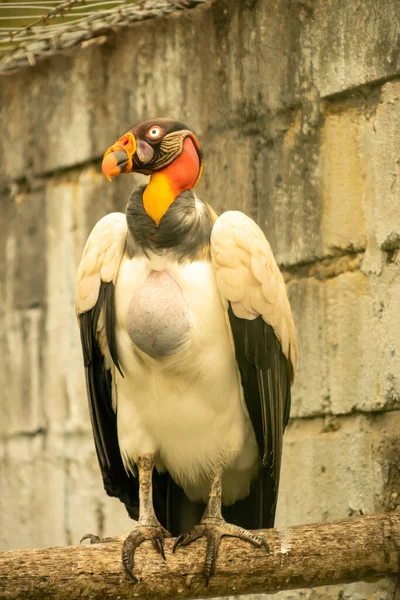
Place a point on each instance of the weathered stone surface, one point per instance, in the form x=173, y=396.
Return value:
x=333, y=468
x=348, y=346
x=343, y=225
x=87, y=96
x=22, y=313
x=21, y=374
x=380, y=148
x=32, y=495
x=347, y=44
x=253, y=163
x=24, y=232
x=297, y=187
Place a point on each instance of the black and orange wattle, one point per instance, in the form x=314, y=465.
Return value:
x=118, y=158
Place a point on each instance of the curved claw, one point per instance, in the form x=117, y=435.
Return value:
x=177, y=542
x=136, y=538
x=265, y=544
x=89, y=536
x=132, y=542
x=158, y=544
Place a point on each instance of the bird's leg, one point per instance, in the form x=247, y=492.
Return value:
x=214, y=527
x=148, y=526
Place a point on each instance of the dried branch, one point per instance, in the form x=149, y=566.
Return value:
x=301, y=557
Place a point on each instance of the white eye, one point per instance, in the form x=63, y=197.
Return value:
x=154, y=132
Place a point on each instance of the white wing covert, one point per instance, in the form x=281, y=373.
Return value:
x=101, y=259
x=249, y=278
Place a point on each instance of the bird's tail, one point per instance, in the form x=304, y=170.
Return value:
x=256, y=511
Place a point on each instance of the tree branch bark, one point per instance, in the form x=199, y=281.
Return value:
x=304, y=556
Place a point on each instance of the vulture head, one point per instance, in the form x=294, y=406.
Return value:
x=153, y=146
x=164, y=149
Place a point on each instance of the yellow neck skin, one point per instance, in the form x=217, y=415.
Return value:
x=158, y=196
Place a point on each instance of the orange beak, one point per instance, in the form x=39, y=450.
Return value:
x=118, y=158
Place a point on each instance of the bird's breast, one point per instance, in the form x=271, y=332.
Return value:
x=158, y=319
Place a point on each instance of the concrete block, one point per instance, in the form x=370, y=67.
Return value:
x=22, y=314
x=32, y=493
x=21, y=374
x=317, y=182
x=343, y=224
x=380, y=149
x=23, y=236
x=348, y=349
x=295, y=184
x=334, y=468
x=24, y=231
x=348, y=44
x=64, y=381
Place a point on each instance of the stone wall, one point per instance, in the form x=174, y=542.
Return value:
x=297, y=106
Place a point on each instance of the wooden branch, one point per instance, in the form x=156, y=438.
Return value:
x=301, y=557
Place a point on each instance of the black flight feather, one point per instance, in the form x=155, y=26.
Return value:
x=109, y=304
x=265, y=380
x=99, y=387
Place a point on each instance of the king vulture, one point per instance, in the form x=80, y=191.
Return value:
x=189, y=348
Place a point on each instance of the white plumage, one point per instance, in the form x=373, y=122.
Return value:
x=188, y=408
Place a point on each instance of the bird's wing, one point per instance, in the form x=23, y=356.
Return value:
x=95, y=308
x=264, y=337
